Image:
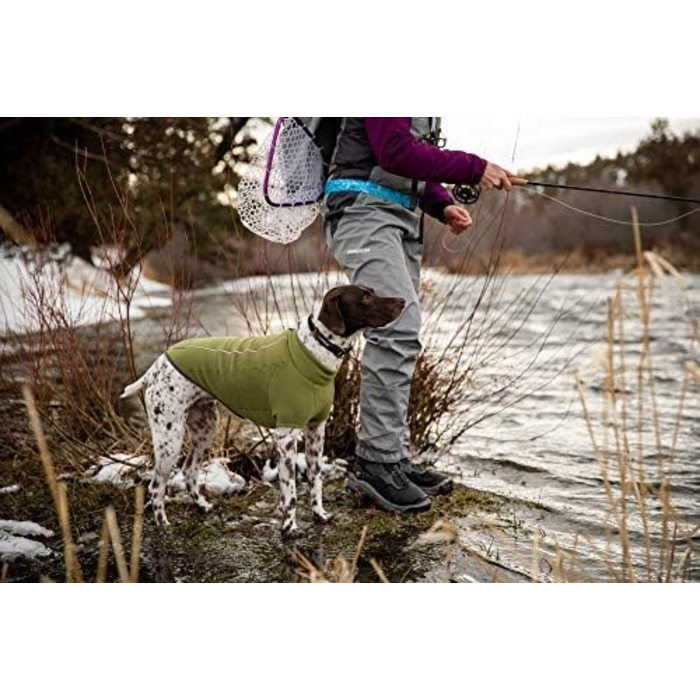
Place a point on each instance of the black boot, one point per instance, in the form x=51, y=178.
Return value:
x=428, y=481
x=386, y=485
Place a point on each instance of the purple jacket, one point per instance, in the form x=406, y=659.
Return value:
x=399, y=152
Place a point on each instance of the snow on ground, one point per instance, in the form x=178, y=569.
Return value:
x=121, y=469
x=80, y=294
x=117, y=469
x=25, y=528
x=15, y=540
x=9, y=489
x=12, y=548
x=214, y=477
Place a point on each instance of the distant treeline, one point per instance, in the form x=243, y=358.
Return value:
x=535, y=227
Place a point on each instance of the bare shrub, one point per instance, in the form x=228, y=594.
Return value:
x=79, y=351
x=447, y=398
x=78, y=372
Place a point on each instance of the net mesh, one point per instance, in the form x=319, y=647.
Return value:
x=280, y=192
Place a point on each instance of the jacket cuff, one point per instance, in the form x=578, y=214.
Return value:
x=479, y=169
x=437, y=210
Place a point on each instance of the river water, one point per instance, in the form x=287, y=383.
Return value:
x=526, y=337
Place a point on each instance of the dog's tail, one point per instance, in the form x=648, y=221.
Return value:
x=136, y=386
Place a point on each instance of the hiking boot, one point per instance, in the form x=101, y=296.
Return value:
x=430, y=482
x=386, y=485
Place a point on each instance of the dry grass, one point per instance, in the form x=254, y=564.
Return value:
x=110, y=529
x=76, y=375
x=78, y=371
x=637, y=491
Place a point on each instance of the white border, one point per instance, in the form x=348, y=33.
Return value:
x=258, y=641
x=218, y=57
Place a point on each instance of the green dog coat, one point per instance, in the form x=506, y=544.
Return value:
x=274, y=380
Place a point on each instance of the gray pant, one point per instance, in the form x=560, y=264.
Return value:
x=378, y=245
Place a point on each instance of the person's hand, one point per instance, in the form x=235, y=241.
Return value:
x=457, y=218
x=495, y=177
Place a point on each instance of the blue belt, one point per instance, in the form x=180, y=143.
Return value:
x=371, y=188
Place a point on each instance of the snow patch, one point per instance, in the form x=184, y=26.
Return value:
x=117, y=469
x=15, y=540
x=120, y=470
x=10, y=489
x=214, y=477
x=12, y=548
x=79, y=293
x=25, y=528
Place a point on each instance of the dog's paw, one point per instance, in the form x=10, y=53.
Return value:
x=161, y=518
x=290, y=530
x=322, y=516
x=204, y=505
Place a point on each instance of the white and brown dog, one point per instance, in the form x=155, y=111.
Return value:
x=178, y=400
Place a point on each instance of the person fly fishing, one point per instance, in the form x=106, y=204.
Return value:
x=372, y=176
x=383, y=172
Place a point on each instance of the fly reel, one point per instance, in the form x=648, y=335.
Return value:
x=466, y=194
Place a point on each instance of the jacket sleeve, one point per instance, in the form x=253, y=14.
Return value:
x=435, y=200
x=399, y=152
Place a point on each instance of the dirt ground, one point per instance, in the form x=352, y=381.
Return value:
x=240, y=539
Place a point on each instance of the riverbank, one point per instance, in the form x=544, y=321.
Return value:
x=579, y=260
x=518, y=430
x=239, y=541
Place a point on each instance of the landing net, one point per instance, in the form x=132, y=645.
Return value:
x=280, y=193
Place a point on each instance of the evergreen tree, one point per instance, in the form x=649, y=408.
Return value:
x=79, y=177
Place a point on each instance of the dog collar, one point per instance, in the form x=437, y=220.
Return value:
x=326, y=342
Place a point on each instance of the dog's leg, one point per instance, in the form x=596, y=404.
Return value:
x=286, y=447
x=167, y=397
x=314, y=435
x=168, y=431
x=201, y=421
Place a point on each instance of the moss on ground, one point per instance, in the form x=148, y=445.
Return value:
x=240, y=539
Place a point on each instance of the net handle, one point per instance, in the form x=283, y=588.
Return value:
x=268, y=166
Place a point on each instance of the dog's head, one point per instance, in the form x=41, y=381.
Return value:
x=351, y=308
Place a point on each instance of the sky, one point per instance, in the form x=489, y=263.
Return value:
x=549, y=140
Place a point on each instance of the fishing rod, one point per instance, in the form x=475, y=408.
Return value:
x=469, y=194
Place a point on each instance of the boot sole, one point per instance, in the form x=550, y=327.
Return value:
x=365, y=489
x=441, y=489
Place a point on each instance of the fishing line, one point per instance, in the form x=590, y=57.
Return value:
x=607, y=219
x=446, y=231
x=516, y=142
x=583, y=212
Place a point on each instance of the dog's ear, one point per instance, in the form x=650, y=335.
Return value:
x=331, y=315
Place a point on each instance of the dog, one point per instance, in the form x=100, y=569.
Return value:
x=284, y=382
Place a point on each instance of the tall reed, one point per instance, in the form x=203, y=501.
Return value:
x=638, y=490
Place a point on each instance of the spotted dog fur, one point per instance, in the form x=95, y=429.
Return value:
x=176, y=405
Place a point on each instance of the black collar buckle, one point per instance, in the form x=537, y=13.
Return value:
x=326, y=342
